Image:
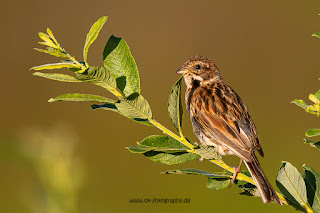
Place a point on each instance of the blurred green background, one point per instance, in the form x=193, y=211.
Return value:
x=264, y=50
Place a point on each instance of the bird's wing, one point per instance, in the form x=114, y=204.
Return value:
x=222, y=116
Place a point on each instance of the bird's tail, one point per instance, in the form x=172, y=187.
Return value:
x=264, y=187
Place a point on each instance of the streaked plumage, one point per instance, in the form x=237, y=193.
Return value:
x=220, y=119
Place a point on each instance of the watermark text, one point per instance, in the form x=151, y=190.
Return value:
x=161, y=200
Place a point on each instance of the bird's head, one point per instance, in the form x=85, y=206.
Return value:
x=199, y=68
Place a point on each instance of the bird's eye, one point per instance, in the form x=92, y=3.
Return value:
x=198, y=67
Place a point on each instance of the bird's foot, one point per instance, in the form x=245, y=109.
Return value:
x=235, y=173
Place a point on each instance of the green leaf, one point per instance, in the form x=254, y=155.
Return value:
x=300, y=103
x=316, y=35
x=313, y=98
x=45, y=43
x=138, y=150
x=136, y=108
x=55, y=66
x=57, y=77
x=313, y=132
x=175, y=106
x=207, y=152
x=92, y=35
x=317, y=95
x=218, y=184
x=215, y=181
x=315, y=144
x=99, y=76
x=56, y=52
x=107, y=106
x=162, y=143
x=158, y=143
x=312, y=109
x=47, y=40
x=41, y=50
x=171, y=158
x=291, y=184
x=52, y=37
x=192, y=171
x=118, y=59
x=312, y=180
x=81, y=98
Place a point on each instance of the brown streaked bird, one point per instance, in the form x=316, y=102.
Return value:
x=219, y=118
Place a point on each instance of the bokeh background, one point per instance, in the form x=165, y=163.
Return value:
x=264, y=50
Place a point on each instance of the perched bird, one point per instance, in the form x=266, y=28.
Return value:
x=219, y=118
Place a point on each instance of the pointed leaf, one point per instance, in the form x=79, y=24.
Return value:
x=81, y=98
x=315, y=144
x=46, y=38
x=92, y=35
x=162, y=142
x=215, y=181
x=45, y=43
x=317, y=94
x=107, y=106
x=171, y=158
x=118, y=59
x=175, y=106
x=313, y=98
x=52, y=37
x=300, y=103
x=291, y=184
x=312, y=109
x=41, y=50
x=55, y=66
x=313, y=132
x=196, y=172
x=218, y=184
x=316, y=35
x=312, y=180
x=57, y=77
x=99, y=76
x=136, y=108
x=138, y=150
x=57, y=52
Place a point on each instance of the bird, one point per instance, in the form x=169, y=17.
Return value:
x=220, y=119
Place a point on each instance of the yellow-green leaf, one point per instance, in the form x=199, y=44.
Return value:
x=162, y=143
x=99, y=76
x=313, y=98
x=291, y=184
x=312, y=180
x=300, y=103
x=118, y=59
x=76, y=97
x=92, y=35
x=316, y=35
x=55, y=66
x=57, y=77
x=315, y=144
x=215, y=181
x=136, y=108
x=57, y=52
x=46, y=38
x=313, y=132
x=175, y=106
x=51, y=36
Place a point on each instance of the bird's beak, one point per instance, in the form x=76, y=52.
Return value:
x=182, y=70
